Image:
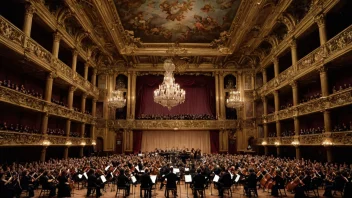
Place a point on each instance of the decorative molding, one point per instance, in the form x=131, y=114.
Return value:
x=8, y=138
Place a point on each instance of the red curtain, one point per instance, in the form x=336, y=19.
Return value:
x=200, y=95
x=137, y=141
x=214, y=141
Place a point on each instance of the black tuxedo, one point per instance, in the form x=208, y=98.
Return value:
x=171, y=180
x=199, y=182
x=93, y=183
x=146, y=183
x=224, y=181
x=123, y=181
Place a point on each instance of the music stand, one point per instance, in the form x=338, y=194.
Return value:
x=188, y=180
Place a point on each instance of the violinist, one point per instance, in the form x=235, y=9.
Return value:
x=64, y=189
x=224, y=181
x=278, y=182
x=25, y=183
x=124, y=181
x=93, y=183
x=250, y=182
x=14, y=186
x=48, y=183
x=146, y=183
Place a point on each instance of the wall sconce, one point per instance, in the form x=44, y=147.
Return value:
x=46, y=142
x=83, y=143
x=327, y=142
x=264, y=143
x=68, y=143
x=295, y=143
x=277, y=143
x=94, y=143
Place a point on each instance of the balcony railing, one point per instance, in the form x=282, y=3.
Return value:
x=335, y=47
x=30, y=102
x=14, y=38
x=19, y=139
x=172, y=124
x=336, y=138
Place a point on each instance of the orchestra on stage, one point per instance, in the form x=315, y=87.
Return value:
x=156, y=170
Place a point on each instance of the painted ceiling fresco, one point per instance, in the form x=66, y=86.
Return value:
x=186, y=21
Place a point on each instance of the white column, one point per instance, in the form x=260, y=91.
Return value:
x=28, y=19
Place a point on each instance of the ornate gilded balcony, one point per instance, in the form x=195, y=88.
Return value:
x=15, y=39
x=8, y=138
x=334, y=48
x=172, y=124
x=27, y=101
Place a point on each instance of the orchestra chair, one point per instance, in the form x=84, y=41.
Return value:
x=313, y=187
x=146, y=192
x=45, y=192
x=201, y=191
x=124, y=191
x=167, y=190
x=227, y=189
x=250, y=191
x=93, y=190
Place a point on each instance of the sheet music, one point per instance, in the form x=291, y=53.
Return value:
x=237, y=178
x=103, y=179
x=216, y=178
x=107, y=168
x=85, y=175
x=186, y=169
x=137, y=168
x=153, y=177
x=142, y=171
x=140, y=155
x=80, y=176
x=188, y=178
x=176, y=170
x=133, y=178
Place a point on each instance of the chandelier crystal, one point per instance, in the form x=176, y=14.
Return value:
x=117, y=99
x=234, y=99
x=169, y=94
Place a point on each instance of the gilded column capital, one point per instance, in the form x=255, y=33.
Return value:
x=30, y=9
x=52, y=75
x=95, y=100
x=293, y=43
x=95, y=71
x=263, y=70
x=74, y=52
x=320, y=20
x=275, y=60
x=84, y=96
x=57, y=36
x=322, y=69
x=72, y=88
x=86, y=64
x=263, y=98
x=275, y=92
x=293, y=84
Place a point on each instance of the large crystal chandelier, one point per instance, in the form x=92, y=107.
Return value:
x=234, y=99
x=169, y=93
x=117, y=100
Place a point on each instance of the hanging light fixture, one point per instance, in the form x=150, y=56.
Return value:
x=169, y=94
x=234, y=99
x=117, y=99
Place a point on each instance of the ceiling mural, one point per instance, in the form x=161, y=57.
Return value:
x=186, y=21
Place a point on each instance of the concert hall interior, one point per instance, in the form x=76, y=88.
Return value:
x=241, y=86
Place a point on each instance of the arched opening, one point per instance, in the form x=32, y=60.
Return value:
x=99, y=146
x=230, y=82
x=251, y=143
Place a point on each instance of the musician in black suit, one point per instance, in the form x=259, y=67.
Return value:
x=250, y=181
x=225, y=181
x=171, y=180
x=198, y=182
x=64, y=189
x=146, y=183
x=123, y=181
x=48, y=184
x=93, y=183
x=25, y=183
